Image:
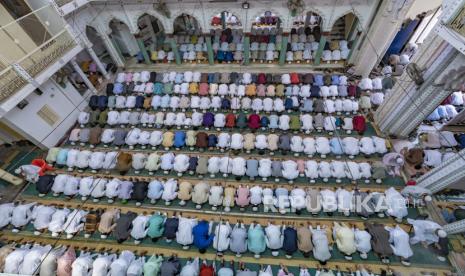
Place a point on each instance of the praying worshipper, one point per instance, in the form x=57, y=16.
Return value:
x=203, y=237
x=321, y=247
x=345, y=239
x=426, y=231
x=399, y=240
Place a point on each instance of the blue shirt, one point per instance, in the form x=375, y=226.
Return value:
x=442, y=111
x=156, y=190
x=461, y=140
x=178, y=78
x=158, y=88
x=434, y=116
x=118, y=88
x=307, y=105
x=281, y=192
x=336, y=146
x=335, y=79
x=318, y=80
x=290, y=241
x=264, y=121
x=202, y=239
x=62, y=156
x=273, y=121
x=288, y=104
x=179, y=139
x=256, y=239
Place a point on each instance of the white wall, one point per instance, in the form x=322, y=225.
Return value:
x=66, y=102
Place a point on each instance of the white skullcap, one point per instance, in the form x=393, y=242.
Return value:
x=442, y=233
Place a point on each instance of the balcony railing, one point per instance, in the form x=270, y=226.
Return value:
x=10, y=83
x=35, y=62
x=48, y=53
x=61, y=3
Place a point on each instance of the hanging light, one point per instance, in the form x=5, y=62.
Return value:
x=245, y=5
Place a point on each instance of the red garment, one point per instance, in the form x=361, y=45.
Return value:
x=42, y=165
x=411, y=183
x=206, y=270
x=261, y=78
x=352, y=90
x=216, y=21
x=254, y=121
x=295, y=78
x=359, y=124
x=230, y=120
x=203, y=89
x=447, y=100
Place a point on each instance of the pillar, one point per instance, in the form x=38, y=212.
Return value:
x=282, y=53
x=408, y=104
x=449, y=172
x=174, y=48
x=97, y=61
x=246, y=49
x=140, y=43
x=457, y=227
x=111, y=48
x=319, y=52
x=83, y=76
x=380, y=34
x=211, y=59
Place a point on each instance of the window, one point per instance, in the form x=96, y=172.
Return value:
x=48, y=115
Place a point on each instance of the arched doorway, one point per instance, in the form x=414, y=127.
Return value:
x=227, y=37
x=98, y=45
x=189, y=38
x=186, y=24
x=342, y=38
x=266, y=39
x=123, y=39
x=151, y=32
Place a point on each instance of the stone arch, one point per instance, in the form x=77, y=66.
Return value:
x=195, y=17
x=106, y=20
x=335, y=17
x=166, y=24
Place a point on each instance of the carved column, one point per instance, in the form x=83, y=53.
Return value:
x=380, y=34
x=83, y=76
x=408, y=104
x=449, y=172
x=455, y=227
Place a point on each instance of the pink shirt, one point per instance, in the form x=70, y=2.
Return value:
x=242, y=198
x=203, y=89
x=261, y=90
x=64, y=262
x=301, y=166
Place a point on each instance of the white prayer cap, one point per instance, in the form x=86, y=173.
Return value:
x=442, y=233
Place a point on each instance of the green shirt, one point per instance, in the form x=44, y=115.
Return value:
x=152, y=266
x=256, y=239
x=156, y=226
x=295, y=122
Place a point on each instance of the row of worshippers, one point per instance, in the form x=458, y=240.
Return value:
x=305, y=123
x=215, y=103
x=442, y=139
x=316, y=79
x=237, y=167
x=28, y=259
x=279, y=199
x=225, y=141
x=449, y=108
x=288, y=238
